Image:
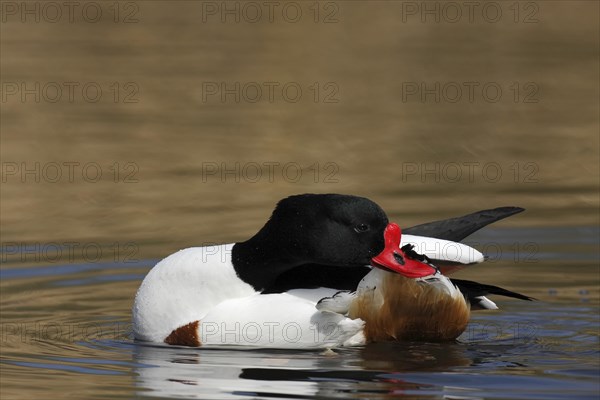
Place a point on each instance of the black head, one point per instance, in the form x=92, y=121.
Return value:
x=318, y=230
x=327, y=229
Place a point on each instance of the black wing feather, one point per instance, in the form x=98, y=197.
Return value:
x=456, y=229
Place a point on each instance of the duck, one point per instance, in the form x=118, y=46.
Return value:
x=325, y=271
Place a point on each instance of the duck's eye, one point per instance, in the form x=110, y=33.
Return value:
x=361, y=228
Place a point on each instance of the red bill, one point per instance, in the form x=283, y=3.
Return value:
x=394, y=259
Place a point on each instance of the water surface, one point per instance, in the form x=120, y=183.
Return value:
x=68, y=327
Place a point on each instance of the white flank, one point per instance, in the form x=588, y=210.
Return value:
x=275, y=320
x=183, y=288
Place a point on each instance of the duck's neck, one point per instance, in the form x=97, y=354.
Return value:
x=261, y=259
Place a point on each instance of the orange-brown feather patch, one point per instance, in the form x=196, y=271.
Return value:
x=186, y=335
x=411, y=310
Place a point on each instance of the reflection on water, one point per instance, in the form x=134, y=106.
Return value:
x=93, y=192
x=282, y=374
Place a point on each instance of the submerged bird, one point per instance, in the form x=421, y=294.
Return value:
x=325, y=271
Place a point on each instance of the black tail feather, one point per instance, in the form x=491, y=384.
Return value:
x=456, y=229
x=474, y=289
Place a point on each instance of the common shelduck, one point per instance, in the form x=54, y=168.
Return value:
x=306, y=280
